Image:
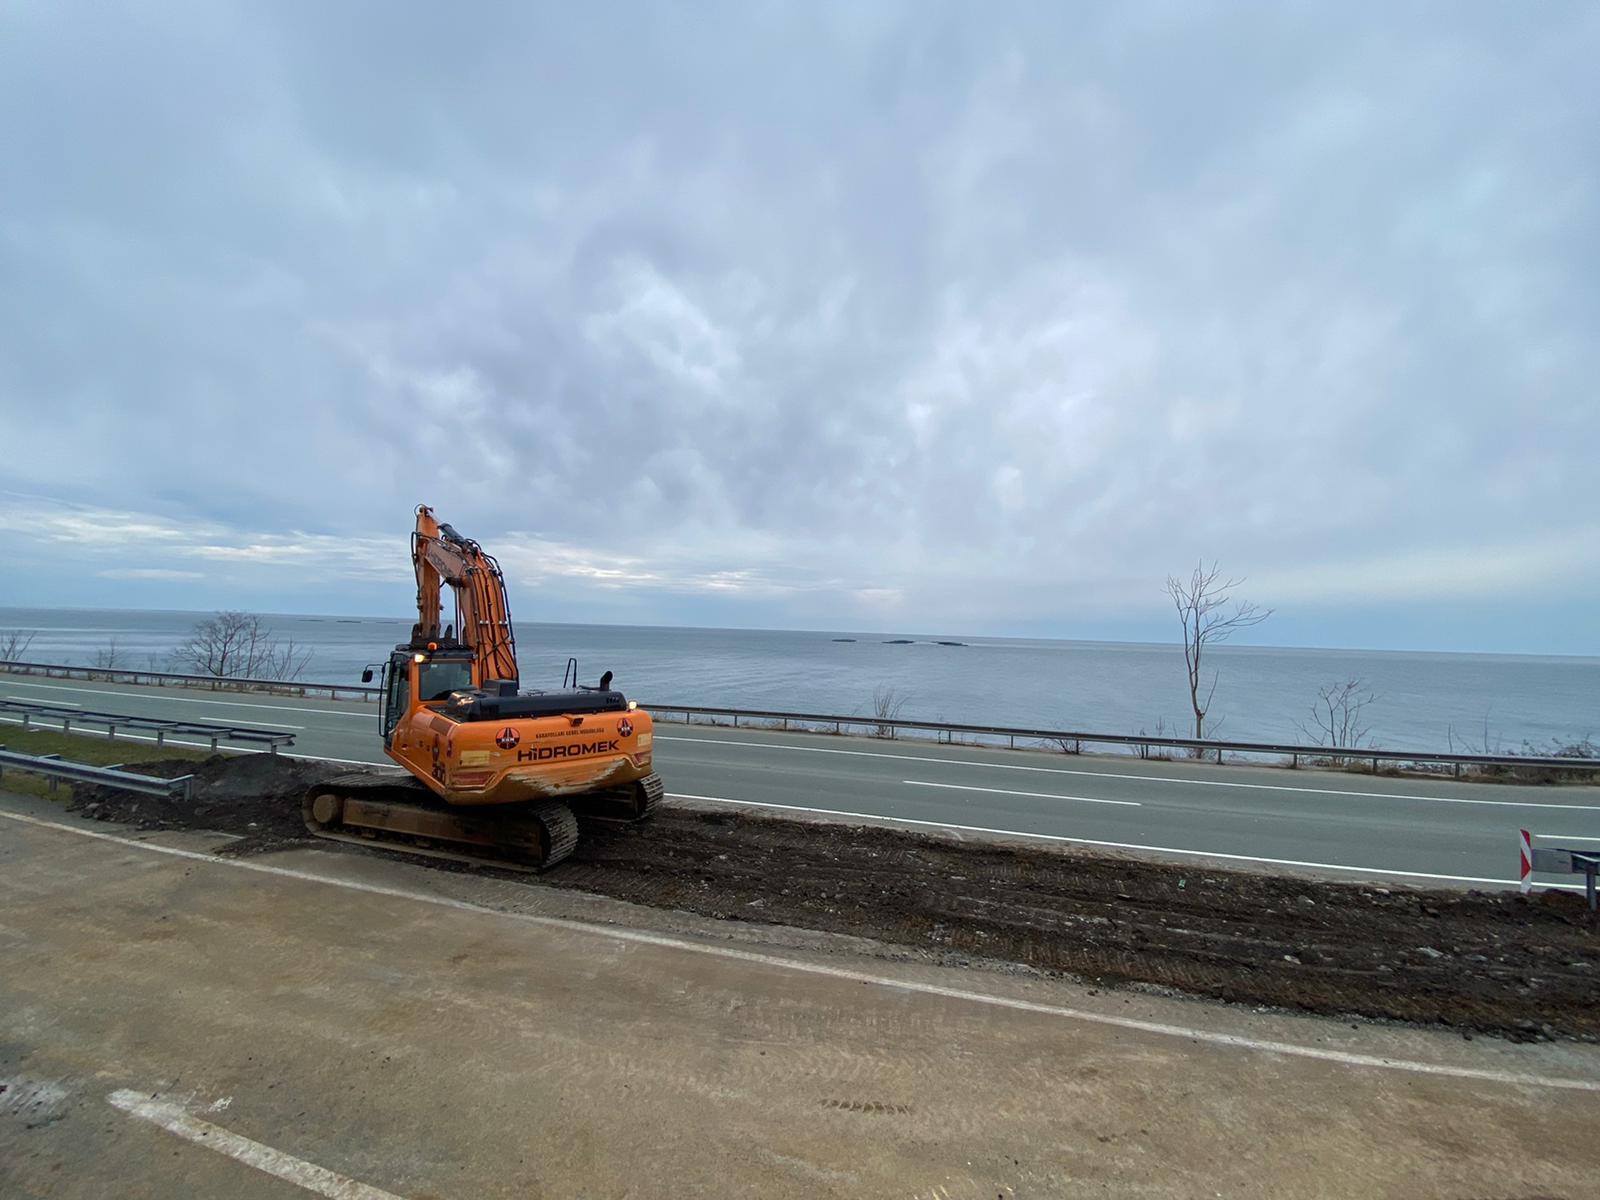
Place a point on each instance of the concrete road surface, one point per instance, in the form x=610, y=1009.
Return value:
x=321, y=1023
x=1333, y=824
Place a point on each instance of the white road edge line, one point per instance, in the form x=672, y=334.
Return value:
x=1000, y=766
x=962, y=787
x=56, y=687
x=297, y=1171
x=1081, y=841
x=641, y=938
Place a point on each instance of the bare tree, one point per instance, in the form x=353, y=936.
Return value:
x=1145, y=750
x=108, y=657
x=239, y=645
x=886, y=706
x=14, y=644
x=1209, y=614
x=1487, y=742
x=1337, y=715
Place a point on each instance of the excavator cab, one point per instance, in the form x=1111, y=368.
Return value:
x=430, y=676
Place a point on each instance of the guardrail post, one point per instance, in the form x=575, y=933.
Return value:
x=213, y=743
x=66, y=725
x=111, y=732
x=161, y=737
x=25, y=720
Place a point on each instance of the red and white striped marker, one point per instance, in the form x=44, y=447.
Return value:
x=1525, y=845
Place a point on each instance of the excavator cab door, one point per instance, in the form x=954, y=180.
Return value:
x=396, y=693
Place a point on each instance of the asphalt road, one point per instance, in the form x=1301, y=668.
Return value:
x=1333, y=824
x=175, y=1023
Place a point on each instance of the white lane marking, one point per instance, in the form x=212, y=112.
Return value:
x=999, y=766
x=263, y=724
x=297, y=1171
x=36, y=700
x=56, y=687
x=1565, y=837
x=962, y=787
x=1186, y=852
x=641, y=938
x=136, y=737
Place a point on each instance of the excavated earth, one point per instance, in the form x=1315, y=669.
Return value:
x=1494, y=962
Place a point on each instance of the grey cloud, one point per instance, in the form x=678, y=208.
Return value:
x=883, y=312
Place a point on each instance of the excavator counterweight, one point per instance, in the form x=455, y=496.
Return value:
x=495, y=772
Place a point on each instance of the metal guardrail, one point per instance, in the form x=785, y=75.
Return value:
x=889, y=726
x=111, y=722
x=58, y=768
x=946, y=730
x=282, y=687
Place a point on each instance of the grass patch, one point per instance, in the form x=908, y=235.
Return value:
x=95, y=750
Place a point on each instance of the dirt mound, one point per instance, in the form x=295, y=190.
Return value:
x=1490, y=961
x=256, y=796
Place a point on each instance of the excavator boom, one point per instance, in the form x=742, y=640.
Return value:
x=442, y=557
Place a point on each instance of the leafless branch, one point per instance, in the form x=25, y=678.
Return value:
x=886, y=706
x=108, y=657
x=1209, y=614
x=239, y=645
x=14, y=644
x=1337, y=715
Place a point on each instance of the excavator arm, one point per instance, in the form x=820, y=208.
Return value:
x=443, y=557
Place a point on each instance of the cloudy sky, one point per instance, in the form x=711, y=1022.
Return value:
x=914, y=317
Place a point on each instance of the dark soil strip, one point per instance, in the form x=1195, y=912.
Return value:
x=1488, y=961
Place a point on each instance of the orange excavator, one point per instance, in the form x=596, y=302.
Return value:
x=497, y=772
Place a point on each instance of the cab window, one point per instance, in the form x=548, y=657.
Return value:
x=437, y=678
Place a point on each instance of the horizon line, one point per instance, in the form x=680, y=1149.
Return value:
x=1168, y=645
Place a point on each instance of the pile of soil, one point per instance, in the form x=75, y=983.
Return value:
x=256, y=796
x=1495, y=962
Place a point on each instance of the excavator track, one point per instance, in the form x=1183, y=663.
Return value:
x=399, y=813
x=631, y=804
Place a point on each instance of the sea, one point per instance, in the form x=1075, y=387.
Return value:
x=1420, y=700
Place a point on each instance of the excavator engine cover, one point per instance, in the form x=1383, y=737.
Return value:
x=485, y=704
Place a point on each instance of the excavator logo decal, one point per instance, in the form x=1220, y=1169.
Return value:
x=507, y=738
x=625, y=727
x=570, y=750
